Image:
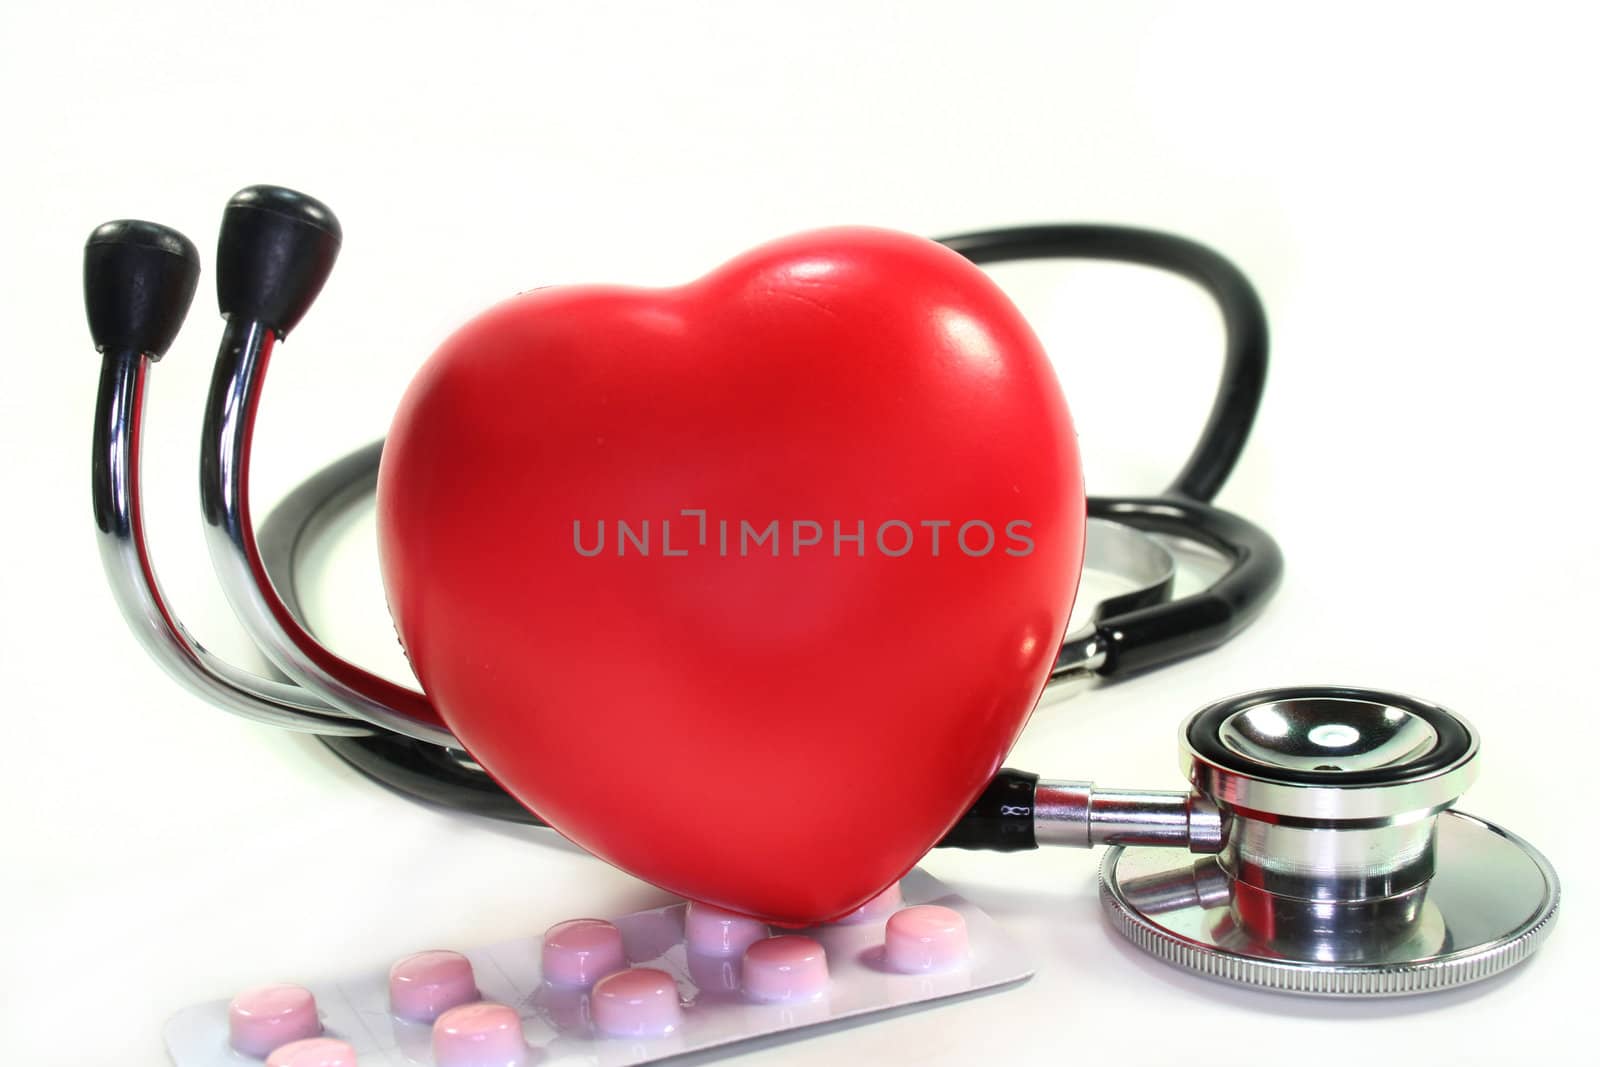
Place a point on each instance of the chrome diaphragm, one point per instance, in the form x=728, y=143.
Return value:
x=1343, y=872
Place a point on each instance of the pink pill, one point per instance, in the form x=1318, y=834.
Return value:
x=926, y=937
x=876, y=910
x=479, y=1035
x=582, y=951
x=425, y=984
x=313, y=1052
x=712, y=931
x=642, y=1002
x=263, y=1018
x=788, y=967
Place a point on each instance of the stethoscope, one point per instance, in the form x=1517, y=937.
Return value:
x=1329, y=861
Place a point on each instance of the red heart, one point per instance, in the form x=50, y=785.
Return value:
x=779, y=735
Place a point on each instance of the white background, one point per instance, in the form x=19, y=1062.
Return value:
x=1412, y=187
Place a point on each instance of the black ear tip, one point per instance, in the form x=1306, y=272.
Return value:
x=136, y=233
x=275, y=251
x=138, y=280
x=289, y=204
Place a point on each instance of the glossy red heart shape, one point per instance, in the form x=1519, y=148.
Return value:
x=571, y=509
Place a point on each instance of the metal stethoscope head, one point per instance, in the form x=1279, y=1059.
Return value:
x=1329, y=861
x=1342, y=870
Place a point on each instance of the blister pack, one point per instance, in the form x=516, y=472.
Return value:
x=657, y=983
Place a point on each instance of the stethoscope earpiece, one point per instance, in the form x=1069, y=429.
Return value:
x=274, y=253
x=1342, y=873
x=139, y=279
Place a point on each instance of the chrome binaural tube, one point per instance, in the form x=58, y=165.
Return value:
x=125, y=554
x=230, y=537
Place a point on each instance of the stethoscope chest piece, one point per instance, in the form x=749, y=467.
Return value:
x=1342, y=874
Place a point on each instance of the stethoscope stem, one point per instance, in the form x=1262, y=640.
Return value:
x=1078, y=815
x=1019, y=811
x=125, y=555
x=230, y=536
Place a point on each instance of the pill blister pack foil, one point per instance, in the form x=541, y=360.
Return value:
x=555, y=1020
